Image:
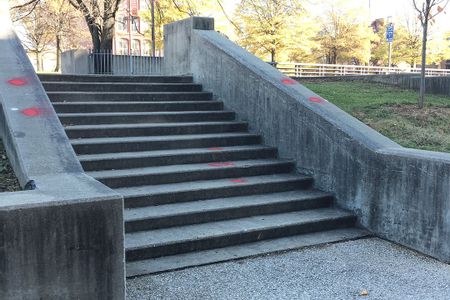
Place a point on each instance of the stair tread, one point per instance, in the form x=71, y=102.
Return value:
x=157, y=138
x=152, y=113
x=121, y=83
x=199, y=258
x=106, y=103
x=148, y=212
x=148, y=190
x=185, y=168
x=170, y=152
x=150, y=125
x=167, y=236
x=128, y=93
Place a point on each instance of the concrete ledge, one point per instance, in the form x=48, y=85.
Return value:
x=400, y=194
x=63, y=238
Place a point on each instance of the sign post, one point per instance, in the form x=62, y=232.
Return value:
x=390, y=39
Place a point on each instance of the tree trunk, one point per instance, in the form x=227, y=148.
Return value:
x=38, y=62
x=58, y=53
x=424, y=63
x=272, y=56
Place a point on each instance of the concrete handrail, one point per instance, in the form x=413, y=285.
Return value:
x=64, y=237
x=400, y=194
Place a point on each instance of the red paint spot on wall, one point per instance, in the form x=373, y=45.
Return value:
x=221, y=164
x=288, y=81
x=316, y=100
x=240, y=180
x=18, y=81
x=31, y=112
x=215, y=149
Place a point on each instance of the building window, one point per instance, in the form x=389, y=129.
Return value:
x=123, y=47
x=135, y=47
x=136, y=24
x=123, y=24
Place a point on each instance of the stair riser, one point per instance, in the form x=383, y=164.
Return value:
x=205, y=174
x=163, y=160
x=156, y=130
x=162, y=118
x=116, y=79
x=221, y=192
x=238, y=238
x=137, y=107
x=161, y=145
x=127, y=87
x=226, y=214
x=83, y=97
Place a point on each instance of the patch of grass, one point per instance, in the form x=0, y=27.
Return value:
x=393, y=112
x=8, y=180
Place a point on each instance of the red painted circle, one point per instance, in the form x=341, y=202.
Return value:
x=240, y=180
x=215, y=149
x=288, y=81
x=31, y=112
x=17, y=82
x=316, y=99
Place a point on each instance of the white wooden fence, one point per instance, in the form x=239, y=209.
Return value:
x=322, y=70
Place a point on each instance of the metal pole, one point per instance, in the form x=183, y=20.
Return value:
x=390, y=56
x=130, y=23
x=153, y=29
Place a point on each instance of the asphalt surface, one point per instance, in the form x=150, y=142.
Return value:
x=362, y=269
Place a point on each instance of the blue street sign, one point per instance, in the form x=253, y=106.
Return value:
x=390, y=33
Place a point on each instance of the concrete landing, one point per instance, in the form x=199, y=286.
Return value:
x=337, y=271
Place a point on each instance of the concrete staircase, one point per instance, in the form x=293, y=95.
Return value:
x=198, y=187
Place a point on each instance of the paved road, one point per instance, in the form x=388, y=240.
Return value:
x=338, y=271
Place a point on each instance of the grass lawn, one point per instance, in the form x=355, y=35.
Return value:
x=393, y=112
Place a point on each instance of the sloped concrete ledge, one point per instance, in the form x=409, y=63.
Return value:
x=399, y=194
x=61, y=238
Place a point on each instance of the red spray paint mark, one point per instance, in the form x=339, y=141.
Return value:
x=240, y=180
x=215, y=149
x=31, y=112
x=221, y=164
x=316, y=100
x=17, y=82
x=288, y=81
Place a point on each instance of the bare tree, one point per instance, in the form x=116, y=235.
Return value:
x=99, y=16
x=37, y=39
x=428, y=10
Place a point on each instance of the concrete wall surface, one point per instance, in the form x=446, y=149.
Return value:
x=75, y=61
x=61, y=238
x=400, y=194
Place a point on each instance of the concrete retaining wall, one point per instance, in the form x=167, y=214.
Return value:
x=400, y=194
x=62, y=238
x=434, y=84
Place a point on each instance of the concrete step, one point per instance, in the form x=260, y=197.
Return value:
x=190, y=172
x=149, y=129
x=183, y=239
x=187, y=213
x=127, y=96
x=272, y=246
x=114, y=78
x=211, y=189
x=131, y=87
x=134, y=144
x=125, y=160
x=143, y=117
x=136, y=106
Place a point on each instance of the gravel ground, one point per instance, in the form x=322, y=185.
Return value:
x=8, y=181
x=339, y=271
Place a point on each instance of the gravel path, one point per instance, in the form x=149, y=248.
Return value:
x=339, y=271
